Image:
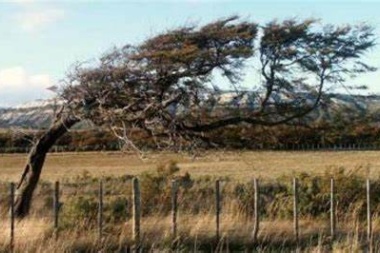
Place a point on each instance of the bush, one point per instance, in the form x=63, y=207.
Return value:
x=156, y=188
x=79, y=209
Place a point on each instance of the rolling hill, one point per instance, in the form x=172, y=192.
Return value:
x=39, y=114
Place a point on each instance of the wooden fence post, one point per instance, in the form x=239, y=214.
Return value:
x=56, y=208
x=12, y=216
x=174, y=208
x=332, y=209
x=217, y=209
x=256, y=209
x=295, y=209
x=136, y=212
x=100, y=210
x=369, y=217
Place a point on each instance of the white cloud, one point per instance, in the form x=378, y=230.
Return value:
x=41, y=80
x=32, y=19
x=12, y=77
x=18, y=85
x=16, y=78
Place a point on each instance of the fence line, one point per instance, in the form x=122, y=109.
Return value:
x=332, y=209
x=12, y=216
x=217, y=209
x=259, y=147
x=100, y=210
x=56, y=207
x=295, y=210
x=174, y=208
x=256, y=210
x=137, y=211
x=318, y=147
x=369, y=216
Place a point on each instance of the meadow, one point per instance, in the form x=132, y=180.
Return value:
x=237, y=165
x=79, y=175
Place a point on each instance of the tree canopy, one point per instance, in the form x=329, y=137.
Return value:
x=166, y=86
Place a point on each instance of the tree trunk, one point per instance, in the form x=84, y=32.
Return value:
x=35, y=162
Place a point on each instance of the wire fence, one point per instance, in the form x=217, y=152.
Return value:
x=258, y=147
x=174, y=206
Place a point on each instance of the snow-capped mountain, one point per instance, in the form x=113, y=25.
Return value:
x=38, y=114
x=39, y=103
x=35, y=114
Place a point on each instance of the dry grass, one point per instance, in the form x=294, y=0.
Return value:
x=35, y=235
x=27, y=231
x=242, y=165
x=195, y=232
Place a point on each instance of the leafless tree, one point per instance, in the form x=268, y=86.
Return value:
x=165, y=86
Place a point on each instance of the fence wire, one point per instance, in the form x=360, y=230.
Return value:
x=84, y=206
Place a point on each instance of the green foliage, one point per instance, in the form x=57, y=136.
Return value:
x=156, y=187
x=79, y=209
x=276, y=198
x=116, y=210
x=313, y=197
x=196, y=196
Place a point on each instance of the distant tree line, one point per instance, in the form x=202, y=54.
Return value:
x=248, y=137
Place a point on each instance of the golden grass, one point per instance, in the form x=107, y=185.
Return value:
x=36, y=235
x=27, y=231
x=240, y=165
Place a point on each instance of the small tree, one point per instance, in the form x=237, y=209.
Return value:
x=165, y=87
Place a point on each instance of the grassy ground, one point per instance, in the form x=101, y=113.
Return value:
x=240, y=166
x=78, y=173
x=275, y=236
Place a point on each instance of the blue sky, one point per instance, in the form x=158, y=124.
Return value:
x=41, y=40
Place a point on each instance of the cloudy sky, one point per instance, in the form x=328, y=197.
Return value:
x=40, y=40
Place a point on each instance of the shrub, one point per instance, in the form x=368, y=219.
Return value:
x=81, y=209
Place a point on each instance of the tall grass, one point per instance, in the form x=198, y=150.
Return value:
x=196, y=218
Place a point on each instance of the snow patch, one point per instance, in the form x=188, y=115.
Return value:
x=40, y=103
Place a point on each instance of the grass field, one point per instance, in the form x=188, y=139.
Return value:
x=196, y=204
x=242, y=165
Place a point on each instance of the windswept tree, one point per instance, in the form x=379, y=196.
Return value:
x=166, y=86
